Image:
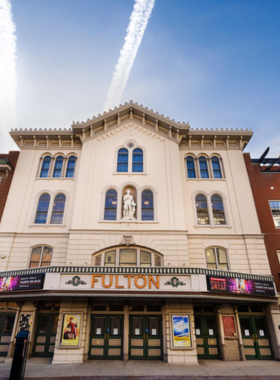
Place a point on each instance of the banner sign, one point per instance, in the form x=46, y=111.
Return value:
x=23, y=282
x=181, y=331
x=233, y=285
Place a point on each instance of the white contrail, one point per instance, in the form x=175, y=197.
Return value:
x=138, y=22
x=8, y=77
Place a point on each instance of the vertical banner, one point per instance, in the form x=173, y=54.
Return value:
x=71, y=330
x=180, y=325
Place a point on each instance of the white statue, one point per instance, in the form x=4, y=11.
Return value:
x=128, y=206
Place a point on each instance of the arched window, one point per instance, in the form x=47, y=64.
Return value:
x=41, y=257
x=58, y=209
x=201, y=210
x=191, y=167
x=45, y=167
x=203, y=167
x=110, y=212
x=42, y=209
x=216, y=167
x=137, y=161
x=147, y=205
x=218, y=210
x=70, y=167
x=122, y=160
x=58, y=167
x=216, y=258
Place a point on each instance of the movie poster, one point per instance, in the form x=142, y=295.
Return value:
x=25, y=322
x=71, y=330
x=181, y=331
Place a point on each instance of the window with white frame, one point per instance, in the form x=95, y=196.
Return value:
x=41, y=257
x=127, y=257
x=110, y=211
x=57, y=166
x=275, y=211
x=130, y=159
x=147, y=205
x=204, y=167
x=210, y=216
x=217, y=258
x=54, y=216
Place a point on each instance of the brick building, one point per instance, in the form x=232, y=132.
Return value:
x=264, y=175
x=7, y=166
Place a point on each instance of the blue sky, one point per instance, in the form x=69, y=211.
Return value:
x=214, y=63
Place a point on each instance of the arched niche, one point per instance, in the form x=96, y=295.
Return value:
x=129, y=203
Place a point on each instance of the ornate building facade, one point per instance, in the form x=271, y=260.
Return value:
x=131, y=236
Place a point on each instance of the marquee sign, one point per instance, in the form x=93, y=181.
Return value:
x=124, y=282
x=22, y=282
x=231, y=285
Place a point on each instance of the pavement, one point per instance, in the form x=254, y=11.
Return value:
x=42, y=369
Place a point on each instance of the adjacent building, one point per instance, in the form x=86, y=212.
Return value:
x=264, y=175
x=132, y=236
x=7, y=166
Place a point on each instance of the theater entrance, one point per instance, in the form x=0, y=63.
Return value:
x=6, y=329
x=206, y=337
x=145, y=337
x=106, y=337
x=256, y=339
x=45, y=335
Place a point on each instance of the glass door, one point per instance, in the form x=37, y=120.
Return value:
x=206, y=337
x=106, y=340
x=255, y=337
x=145, y=337
x=6, y=329
x=45, y=335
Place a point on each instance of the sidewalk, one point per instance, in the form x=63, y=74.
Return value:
x=41, y=368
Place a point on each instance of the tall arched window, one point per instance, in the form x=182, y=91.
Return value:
x=216, y=167
x=147, y=205
x=58, y=167
x=70, y=167
x=191, y=167
x=41, y=257
x=42, y=209
x=58, y=209
x=201, y=209
x=110, y=212
x=203, y=167
x=218, y=209
x=122, y=160
x=45, y=167
x=137, y=161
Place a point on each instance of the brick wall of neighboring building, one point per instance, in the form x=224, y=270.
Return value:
x=266, y=187
x=6, y=180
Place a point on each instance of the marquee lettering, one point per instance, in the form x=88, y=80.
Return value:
x=140, y=281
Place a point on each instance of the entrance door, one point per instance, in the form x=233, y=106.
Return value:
x=255, y=337
x=145, y=337
x=206, y=337
x=106, y=339
x=45, y=335
x=6, y=329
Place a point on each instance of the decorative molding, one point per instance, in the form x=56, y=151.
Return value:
x=175, y=282
x=127, y=240
x=76, y=281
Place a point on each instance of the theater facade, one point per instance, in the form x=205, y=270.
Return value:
x=133, y=237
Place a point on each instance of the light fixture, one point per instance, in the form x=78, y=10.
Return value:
x=114, y=202
x=146, y=202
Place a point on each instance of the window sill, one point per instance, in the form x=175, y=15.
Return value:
x=129, y=221
x=129, y=173
x=206, y=179
x=56, y=179
x=212, y=226
x=46, y=225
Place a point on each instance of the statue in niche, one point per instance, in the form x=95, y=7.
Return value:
x=128, y=206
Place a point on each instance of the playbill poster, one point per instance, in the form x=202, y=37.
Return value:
x=181, y=331
x=71, y=330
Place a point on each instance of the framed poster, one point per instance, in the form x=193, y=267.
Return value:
x=71, y=330
x=229, y=326
x=181, y=331
x=25, y=322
